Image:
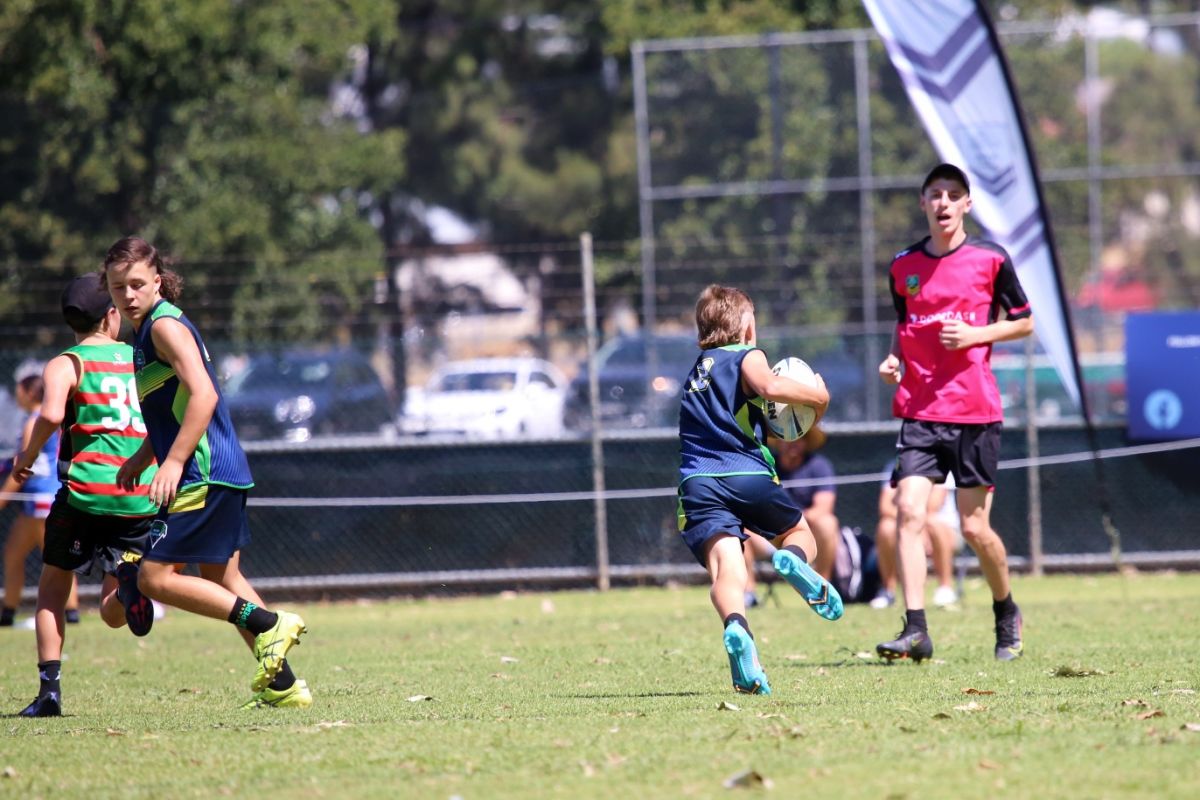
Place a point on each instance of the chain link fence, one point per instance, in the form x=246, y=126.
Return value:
x=420, y=419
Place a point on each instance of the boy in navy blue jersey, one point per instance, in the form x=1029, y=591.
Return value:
x=727, y=475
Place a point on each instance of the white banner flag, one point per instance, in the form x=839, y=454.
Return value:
x=949, y=58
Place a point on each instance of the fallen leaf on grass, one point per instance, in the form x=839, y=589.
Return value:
x=114, y=732
x=941, y=715
x=191, y=691
x=9, y=772
x=324, y=726
x=986, y=764
x=588, y=770
x=747, y=779
x=1135, y=702
x=1065, y=671
x=418, y=698
x=1194, y=727
x=508, y=660
x=865, y=656
x=971, y=707
x=725, y=705
x=796, y=657
x=977, y=691
x=601, y=660
x=1158, y=712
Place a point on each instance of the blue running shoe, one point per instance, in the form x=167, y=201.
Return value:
x=821, y=596
x=748, y=675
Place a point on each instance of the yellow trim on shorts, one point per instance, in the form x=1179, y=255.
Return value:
x=191, y=498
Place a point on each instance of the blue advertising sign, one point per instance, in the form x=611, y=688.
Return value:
x=1162, y=374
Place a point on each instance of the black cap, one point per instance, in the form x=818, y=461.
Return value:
x=85, y=301
x=948, y=172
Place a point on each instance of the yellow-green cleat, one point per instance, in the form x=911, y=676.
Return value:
x=295, y=696
x=271, y=647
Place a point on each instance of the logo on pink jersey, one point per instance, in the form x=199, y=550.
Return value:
x=912, y=284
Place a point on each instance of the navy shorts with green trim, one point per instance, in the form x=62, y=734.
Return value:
x=211, y=529
x=712, y=506
x=931, y=449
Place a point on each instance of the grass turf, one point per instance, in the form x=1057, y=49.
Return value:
x=576, y=694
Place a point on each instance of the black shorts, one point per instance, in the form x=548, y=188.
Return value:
x=208, y=526
x=80, y=542
x=932, y=449
x=710, y=506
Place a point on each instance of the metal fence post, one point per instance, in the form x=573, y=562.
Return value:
x=598, y=502
x=1032, y=472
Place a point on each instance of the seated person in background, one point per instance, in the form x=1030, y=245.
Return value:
x=799, y=460
x=941, y=540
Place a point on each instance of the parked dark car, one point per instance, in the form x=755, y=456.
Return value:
x=633, y=393
x=298, y=395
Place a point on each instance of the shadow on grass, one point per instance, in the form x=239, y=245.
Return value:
x=630, y=695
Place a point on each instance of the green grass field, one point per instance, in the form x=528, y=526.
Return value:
x=576, y=694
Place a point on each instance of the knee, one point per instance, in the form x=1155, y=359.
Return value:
x=911, y=520
x=975, y=531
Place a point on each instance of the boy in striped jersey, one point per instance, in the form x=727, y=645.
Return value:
x=92, y=521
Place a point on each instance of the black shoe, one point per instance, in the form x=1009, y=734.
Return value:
x=1008, y=636
x=46, y=705
x=139, y=611
x=72, y=616
x=8, y=617
x=909, y=644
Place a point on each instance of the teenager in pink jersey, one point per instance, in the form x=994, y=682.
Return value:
x=955, y=296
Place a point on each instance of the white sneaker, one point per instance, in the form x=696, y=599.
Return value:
x=945, y=596
x=883, y=599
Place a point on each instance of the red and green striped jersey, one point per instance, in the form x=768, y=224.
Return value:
x=103, y=427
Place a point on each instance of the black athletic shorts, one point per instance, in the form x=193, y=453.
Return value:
x=80, y=542
x=932, y=449
x=710, y=505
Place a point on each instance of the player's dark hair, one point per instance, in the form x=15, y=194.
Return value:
x=134, y=250
x=947, y=172
x=721, y=315
x=34, y=386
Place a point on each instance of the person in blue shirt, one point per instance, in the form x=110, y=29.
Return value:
x=29, y=528
x=203, y=475
x=727, y=478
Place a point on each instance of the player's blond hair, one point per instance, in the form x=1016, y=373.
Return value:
x=722, y=314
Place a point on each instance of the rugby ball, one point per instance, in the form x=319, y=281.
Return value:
x=791, y=421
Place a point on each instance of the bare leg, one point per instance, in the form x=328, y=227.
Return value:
x=941, y=538
x=23, y=537
x=912, y=500
x=801, y=536
x=53, y=589
x=230, y=576
x=159, y=581
x=827, y=531
x=111, y=610
x=727, y=568
x=975, y=508
x=885, y=539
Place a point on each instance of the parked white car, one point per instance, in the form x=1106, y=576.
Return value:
x=489, y=397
